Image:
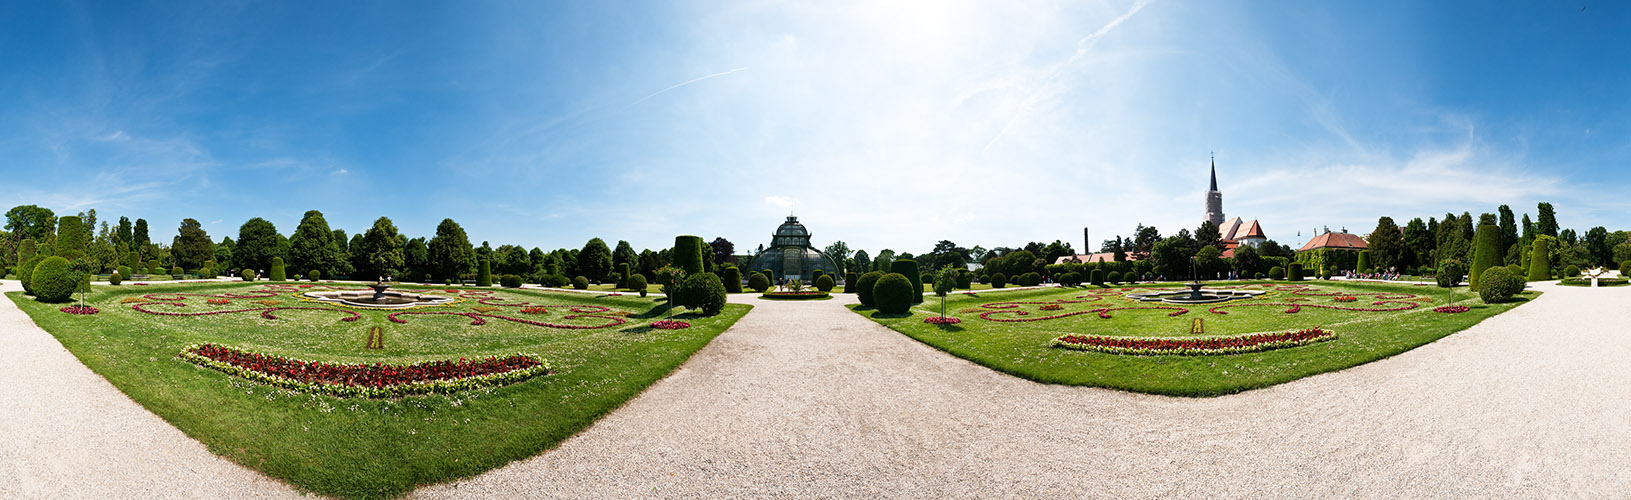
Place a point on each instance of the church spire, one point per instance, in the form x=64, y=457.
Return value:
x=1214, y=173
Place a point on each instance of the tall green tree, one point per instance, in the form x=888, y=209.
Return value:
x=126, y=232
x=313, y=247
x=1171, y=257
x=1387, y=249
x=30, y=222
x=839, y=251
x=450, y=251
x=1509, y=226
x=1209, y=235
x=1546, y=222
x=862, y=261
x=595, y=260
x=257, y=243
x=1601, y=249
x=191, y=246
x=140, y=238
x=625, y=254
x=223, y=255
x=383, y=246
x=416, y=258
x=1418, y=243
x=1247, y=262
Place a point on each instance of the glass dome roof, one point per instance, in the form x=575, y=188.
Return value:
x=791, y=255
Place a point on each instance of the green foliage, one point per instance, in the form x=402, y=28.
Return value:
x=1571, y=271
x=849, y=282
x=450, y=252
x=999, y=280
x=1625, y=269
x=277, y=273
x=704, y=292
x=945, y=281
x=53, y=281
x=965, y=279
x=1277, y=273
x=816, y=275
x=1449, y=273
x=595, y=260
x=510, y=281
x=894, y=293
x=484, y=273
x=580, y=283
x=823, y=283
x=115, y=279
x=25, y=272
x=1515, y=269
x=257, y=243
x=1097, y=277
x=637, y=282
x=732, y=278
x=758, y=282
x=177, y=271
x=247, y=274
x=865, y=286
x=1497, y=285
x=314, y=275
x=72, y=236
x=688, y=254
x=622, y=275
x=1364, y=261
x=908, y=268
x=1296, y=272
x=1540, y=266
x=1487, y=252
x=1113, y=277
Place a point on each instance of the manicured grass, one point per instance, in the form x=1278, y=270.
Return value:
x=362, y=448
x=1023, y=348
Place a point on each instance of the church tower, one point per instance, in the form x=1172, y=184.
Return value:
x=1214, y=199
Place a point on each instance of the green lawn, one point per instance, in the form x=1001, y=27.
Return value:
x=1024, y=348
x=363, y=448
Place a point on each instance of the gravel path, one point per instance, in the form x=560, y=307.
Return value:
x=805, y=399
x=65, y=432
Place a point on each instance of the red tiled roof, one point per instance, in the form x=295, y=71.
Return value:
x=1092, y=257
x=1253, y=232
x=1341, y=241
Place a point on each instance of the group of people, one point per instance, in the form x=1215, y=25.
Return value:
x=1384, y=276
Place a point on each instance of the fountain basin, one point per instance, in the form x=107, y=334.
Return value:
x=378, y=299
x=1195, y=295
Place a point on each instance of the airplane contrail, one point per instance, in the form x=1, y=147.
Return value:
x=682, y=84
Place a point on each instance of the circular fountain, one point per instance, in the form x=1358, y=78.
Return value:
x=381, y=298
x=1196, y=294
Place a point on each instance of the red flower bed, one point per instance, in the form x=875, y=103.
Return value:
x=371, y=380
x=219, y=302
x=266, y=312
x=535, y=310
x=1052, y=307
x=1346, y=298
x=942, y=320
x=1452, y=309
x=476, y=318
x=669, y=324
x=1193, y=346
x=87, y=310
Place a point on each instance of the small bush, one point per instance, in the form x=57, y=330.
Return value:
x=25, y=273
x=732, y=278
x=1450, y=272
x=1625, y=269
x=908, y=268
x=176, y=271
x=115, y=279
x=825, y=283
x=815, y=275
x=1113, y=277
x=247, y=274
x=580, y=283
x=704, y=292
x=893, y=293
x=53, y=281
x=965, y=279
x=638, y=282
x=484, y=274
x=758, y=282
x=124, y=271
x=315, y=275
x=1098, y=277
x=1571, y=271
x=1295, y=273
x=999, y=280
x=1033, y=278
x=1515, y=269
x=510, y=281
x=277, y=270
x=865, y=286
x=1498, y=284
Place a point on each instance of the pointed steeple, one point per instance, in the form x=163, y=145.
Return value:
x=1214, y=174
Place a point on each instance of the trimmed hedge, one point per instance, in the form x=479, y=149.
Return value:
x=623, y=275
x=1296, y=272
x=115, y=279
x=1097, y=277
x=1498, y=285
x=176, y=271
x=965, y=279
x=510, y=281
x=53, y=281
x=1540, y=265
x=1113, y=277
x=999, y=280
x=849, y=282
x=247, y=274
x=825, y=283
x=758, y=282
x=1364, y=262
x=688, y=254
x=1571, y=271
x=1487, y=254
x=484, y=273
x=703, y=292
x=580, y=283
x=908, y=268
x=124, y=271
x=277, y=270
x=865, y=286
x=314, y=275
x=1277, y=273
x=732, y=278
x=893, y=293
x=637, y=282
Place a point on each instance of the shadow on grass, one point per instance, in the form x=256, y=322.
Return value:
x=882, y=315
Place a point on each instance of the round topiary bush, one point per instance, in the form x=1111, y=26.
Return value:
x=247, y=274
x=314, y=275
x=176, y=271
x=1498, y=284
x=1625, y=269
x=638, y=282
x=124, y=271
x=999, y=280
x=25, y=273
x=758, y=282
x=1571, y=271
x=53, y=281
x=893, y=293
x=1113, y=277
x=115, y=278
x=1515, y=269
x=704, y=292
x=824, y=283
x=965, y=279
x=865, y=286
x=732, y=278
x=908, y=268
x=580, y=283
x=510, y=281
x=816, y=275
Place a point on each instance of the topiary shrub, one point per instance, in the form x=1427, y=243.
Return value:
x=816, y=275
x=638, y=282
x=1113, y=277
x=176, y=271
x=510, y=281
x=623, y=275
x=758, y=282
x=314, y=275
x=1625, y=269
x=25, y=273
x=1449, y=273
x=732, y=278
x=115, y=279
x=688, y=254
x=124, y=271
x=908, y=268
x=824, y=283
x=580, y=283
x=1540, y=266
x=704, y=292
x=247, y=274
x=553, y=281
x=1097, y=277
x=1330, y=270
x=849, y=282
x=53, y=281
x=1571, y=271
x=1295, y=273
x=1488, y=252
x=965, y=279
x=893, y=293
x=1516, y=270
x=999, y=280
x=484, y=273
x=1364, y=262
x=277, y=269
x=865, y=285
x=1033, y=278
x=1497, y=285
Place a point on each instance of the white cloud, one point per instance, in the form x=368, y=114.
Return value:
x=341, y=172
x=780, y=202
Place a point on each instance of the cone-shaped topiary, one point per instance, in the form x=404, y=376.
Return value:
x=1488, y=253
x=1540, y=265
x=1364, y=262
x=688, y=254
x=864, y=286
x=908, y=268
x=622, y=275
x=484, y=273
x=1097, y=277
x=277, y=270
x=732, y=278
x=894, y=294
x=53, y=281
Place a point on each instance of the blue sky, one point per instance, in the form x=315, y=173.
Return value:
x=884, y=124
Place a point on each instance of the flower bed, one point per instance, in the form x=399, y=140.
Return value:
x=669, y=324
x=84, y=310
x=1346, y=298
x=1052, y=307
x=367, y=380
x=534, y=310
x=1193, y=346
x=1452, y=309
x=795, y=295
x=942, y=320
x=219, y=302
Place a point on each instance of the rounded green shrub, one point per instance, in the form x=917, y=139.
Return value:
x=824, y=283
x=115, y=278
x=758, y=282
x=816, y=275
x=25, y=273
x=580, y=283
x=1449, y=273
x=965, y=279
x=247, y=274
x=314, y=275
x=53, y=281
x=704, y=292
x=277, y=270
x=999, y=280
x=124, y=271
x=1571, y=271
x=688, y=254
x=1113, y=277
x=1498, y=285
x=1295, y=273
x=484, y=273
x=1516, y=270
x=1625, y=269
x=864, y=286
x=908, y=268
x=1033, y=278
x=849, y=282
x=893, y=293
x=638, y=282
x=510, y=281
x=732, y=278
x=176, y=271
x=926, y=278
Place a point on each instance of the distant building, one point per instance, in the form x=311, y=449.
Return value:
x=1336, y=241
x=791, y=255
x=1091, y=258
x=1233, y=232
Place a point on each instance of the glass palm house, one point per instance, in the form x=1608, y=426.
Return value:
x=791, y=256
